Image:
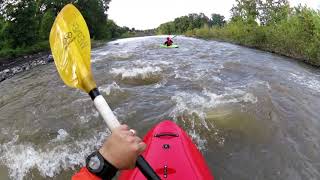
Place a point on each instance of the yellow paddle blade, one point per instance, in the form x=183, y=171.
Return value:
x=70, y=46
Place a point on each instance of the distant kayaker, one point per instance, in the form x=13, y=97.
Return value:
x=169, y=42
x=119, y=152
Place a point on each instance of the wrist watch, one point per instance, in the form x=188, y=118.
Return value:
x=100, y=167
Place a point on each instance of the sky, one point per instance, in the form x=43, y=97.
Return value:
x=148, y=14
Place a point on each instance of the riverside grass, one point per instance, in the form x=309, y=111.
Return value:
x=297, y=37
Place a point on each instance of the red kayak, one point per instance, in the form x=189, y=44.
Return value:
x=172, y=154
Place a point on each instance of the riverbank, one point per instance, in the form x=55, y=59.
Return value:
x=232, y=41
x=300, y=55
x=12, y=66
x=296, y=37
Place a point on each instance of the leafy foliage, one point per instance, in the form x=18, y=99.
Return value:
x=272, y=11
x=290, y=32
x=22, y=22
x=46, y=24
x=93, y=13
x=245, y=10
x=25, y=24
x=184, y=23
x=217, y=20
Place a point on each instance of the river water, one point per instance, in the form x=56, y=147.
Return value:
x=253, y=115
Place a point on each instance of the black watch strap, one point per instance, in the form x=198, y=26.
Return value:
x=108, y=171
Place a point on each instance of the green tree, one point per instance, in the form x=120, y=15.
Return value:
x=181, y=24
x=54, y=5
x=46, y=24
x=198, y=20
x=217, y=20
x=184, y=23
x=245, y=10
x=105, y=5
x=26, y=24
x=112, y=29
x=21, y=28
x=273, y=11
x=2, y=24
x=94, y=13
x=166, y=28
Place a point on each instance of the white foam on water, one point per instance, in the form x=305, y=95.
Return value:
x=82, y=100
x=191, y=103
x=101, y=52
x=215, y=78
x=309, y=82
x=88, y=116
x=124, y=55
x=313, y=84
x=96, y=59
x=161, y=84
x=162, y=63
x=249, y=98
x=22, y=158
x=98, y=55
x=121, y=55
x=201, y=143
x=62, y=135
x=191, y=76
x=153, y=63
x=198, y=75
x=186, y=102
x=143, y=72
x=110, y=87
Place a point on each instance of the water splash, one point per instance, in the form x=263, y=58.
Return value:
x=51, y=161
x=62, y=135
x=191, y=103
x=143, y=73
x=111, y=87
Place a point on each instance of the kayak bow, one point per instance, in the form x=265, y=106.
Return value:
x=172, y=155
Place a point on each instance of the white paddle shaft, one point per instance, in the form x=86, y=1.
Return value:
x=106, y=113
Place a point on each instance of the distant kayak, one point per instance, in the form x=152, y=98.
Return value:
x=172, y=46
x=172, y=154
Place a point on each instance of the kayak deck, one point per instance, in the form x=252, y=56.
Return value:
x=172, y=46
x=172, y=155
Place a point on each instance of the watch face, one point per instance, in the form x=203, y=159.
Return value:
x=94, y=163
